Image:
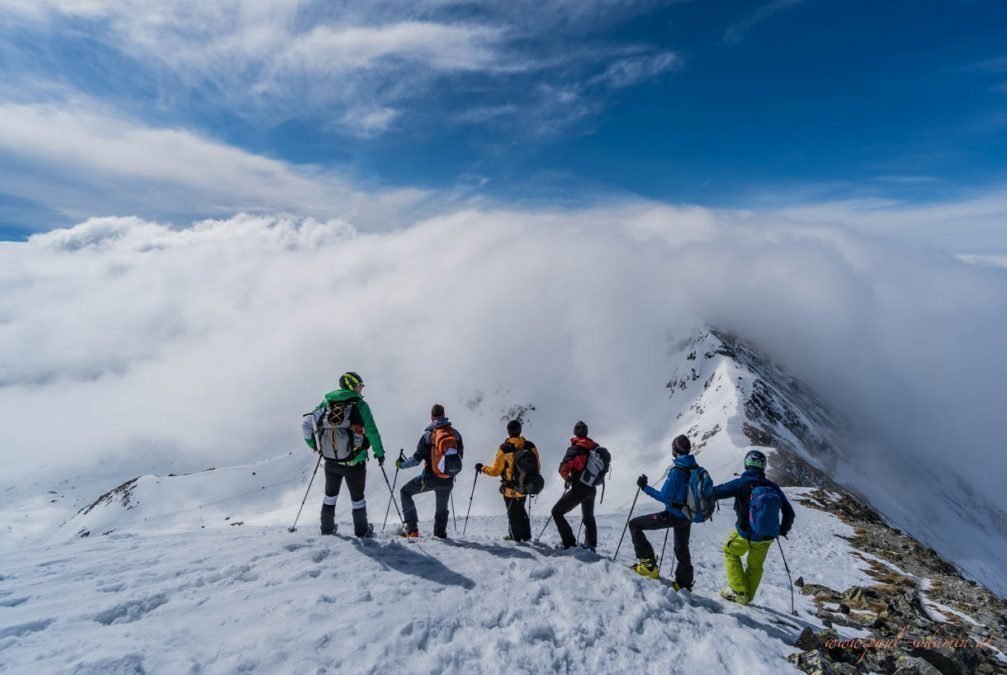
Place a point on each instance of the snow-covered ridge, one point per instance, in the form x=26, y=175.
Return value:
x=729, y=399
x=203, y=557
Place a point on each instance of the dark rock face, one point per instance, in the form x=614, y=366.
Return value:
x=922, y=615
x=776, y=412
x=124, y=493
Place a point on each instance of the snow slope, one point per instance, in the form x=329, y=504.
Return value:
x=194, y=592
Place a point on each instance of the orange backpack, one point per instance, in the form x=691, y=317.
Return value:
x=445, y=459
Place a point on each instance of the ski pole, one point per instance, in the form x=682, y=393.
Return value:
x=466, y=525
x=602, y=493
x=293, y=528
x=391, y=492
x=394, y=481
x=616, y=554
x=786, y=567
x=455, y=520
x=663, y=547
x=579, y=528
x=510, y=503
x=543, y=528
x=530, y=502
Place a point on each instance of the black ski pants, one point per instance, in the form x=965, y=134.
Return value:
x=517, y=518
x=663, y=521
x=356, y=480
x=577, y=494
x=442, y=491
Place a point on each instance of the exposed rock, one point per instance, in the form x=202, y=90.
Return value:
x=911, y=665
x=817, y=663
x=124, y=493
x=907, y=636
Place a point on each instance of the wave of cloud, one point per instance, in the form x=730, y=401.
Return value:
x=92, y=160
x=155, y=348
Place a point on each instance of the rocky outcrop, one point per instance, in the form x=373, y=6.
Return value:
x=922, y=615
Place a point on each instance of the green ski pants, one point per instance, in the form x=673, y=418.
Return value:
x=739, y=578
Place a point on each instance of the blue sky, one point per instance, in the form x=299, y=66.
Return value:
x=379, y=111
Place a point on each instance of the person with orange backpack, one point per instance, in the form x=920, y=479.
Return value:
x=440, y=449
x=520, y=469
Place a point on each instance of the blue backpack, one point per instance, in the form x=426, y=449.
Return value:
x=764, y=513
x=699, y=502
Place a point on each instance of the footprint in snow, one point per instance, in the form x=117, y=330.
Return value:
x=130, y=664
x=25, y=628
x=131, y=611
x=14, y=602
x=542, y=572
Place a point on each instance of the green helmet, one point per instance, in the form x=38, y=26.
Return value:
x=349, y=380
x=754, y=459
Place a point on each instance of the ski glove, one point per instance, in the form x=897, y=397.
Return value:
x=479, y=468
x=398, y=463
x=311, y=443
x=641, y=482
x=381, y=460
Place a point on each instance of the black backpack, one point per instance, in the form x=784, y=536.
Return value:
x=528, y=479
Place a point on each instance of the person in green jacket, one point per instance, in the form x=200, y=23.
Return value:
x=342, y=429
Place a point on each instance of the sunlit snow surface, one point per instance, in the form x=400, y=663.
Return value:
x=178, y=586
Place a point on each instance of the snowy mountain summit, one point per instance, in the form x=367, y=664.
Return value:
x=199, y=573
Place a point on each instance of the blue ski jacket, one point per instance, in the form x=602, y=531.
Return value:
x=741, y=490
x=676, y=486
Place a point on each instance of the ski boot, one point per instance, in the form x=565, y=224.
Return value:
x=735, y=596
x=647, y=568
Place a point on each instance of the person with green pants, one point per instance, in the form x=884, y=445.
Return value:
x=758, y=502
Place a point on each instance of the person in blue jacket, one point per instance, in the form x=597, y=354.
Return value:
x=673, y=496
x=743, y=581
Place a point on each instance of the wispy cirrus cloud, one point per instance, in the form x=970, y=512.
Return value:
x=295, y=58
x=626, y=72
x=738, y=30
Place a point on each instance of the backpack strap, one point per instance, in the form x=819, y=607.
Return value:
x=688, y=473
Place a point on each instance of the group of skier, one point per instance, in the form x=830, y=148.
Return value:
x=342, y=429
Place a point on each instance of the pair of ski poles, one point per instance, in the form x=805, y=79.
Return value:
x=790, y=579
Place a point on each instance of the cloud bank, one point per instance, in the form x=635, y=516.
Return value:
x=154, y=348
